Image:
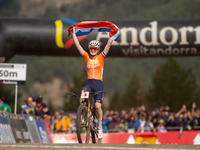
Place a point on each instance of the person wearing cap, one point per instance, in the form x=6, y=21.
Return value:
x=161, y=127
x=29, y=109
x=3, y=106
x=41, y=108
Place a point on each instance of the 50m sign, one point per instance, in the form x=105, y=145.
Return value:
x=6, y=73
x=13, y=72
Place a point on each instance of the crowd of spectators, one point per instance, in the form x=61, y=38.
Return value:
x=158, y=120
x=60, y=122
x=137, y=119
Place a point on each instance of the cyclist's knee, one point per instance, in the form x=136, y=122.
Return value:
x=98, y=106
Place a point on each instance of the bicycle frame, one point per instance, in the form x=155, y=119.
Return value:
x=88, y=105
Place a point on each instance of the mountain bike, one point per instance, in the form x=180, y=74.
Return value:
x=86, y=121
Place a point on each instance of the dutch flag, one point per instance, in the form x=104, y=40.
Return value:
x=86, y=27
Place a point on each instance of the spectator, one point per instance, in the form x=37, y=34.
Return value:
x=161, y=127
x=58, y=123
x=131, y=123
x=143, y=110
x=106, y=121
x=62, y=122
x=181, y=124
x=66, y=123
x=171, y=121
x=155, y=117
x=181, y=121
x=189, y=121
x=3, y=106
x=122, y=125
x=73, y=124
x=122, y=114
x=29, y=109
x=196, y=115
x=52, y=124
x=146, y=126
x=114, y=123
x=41, y=108
x=134, y=122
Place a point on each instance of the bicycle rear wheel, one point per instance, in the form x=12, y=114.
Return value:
x=82, y=127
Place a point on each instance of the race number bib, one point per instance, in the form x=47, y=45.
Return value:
x=85, y=95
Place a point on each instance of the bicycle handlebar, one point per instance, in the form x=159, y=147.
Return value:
x=91, y=93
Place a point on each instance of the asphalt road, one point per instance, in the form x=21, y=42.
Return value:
x=30, y=146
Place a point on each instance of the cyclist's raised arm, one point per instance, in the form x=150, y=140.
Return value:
x=78, y=46
x=107, y=47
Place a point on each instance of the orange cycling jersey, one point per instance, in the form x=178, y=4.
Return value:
x=94, y=66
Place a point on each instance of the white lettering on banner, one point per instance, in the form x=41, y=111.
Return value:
x=155, y=36
x=153, y=30
x=43, y=135
x=183, y=31
x=197, y=30
x=6, y=135
x=163, y=35
x=143, y=51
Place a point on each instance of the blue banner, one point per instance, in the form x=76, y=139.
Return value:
x=42, y=132
x=6, y=134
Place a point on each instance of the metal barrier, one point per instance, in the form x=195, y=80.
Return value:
x=20, y=116
x=19, y=128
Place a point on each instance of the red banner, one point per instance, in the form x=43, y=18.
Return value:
x=187, y=137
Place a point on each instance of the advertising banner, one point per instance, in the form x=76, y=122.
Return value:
x=6, y=134
x=138, y=38
x=42, y=132
x=187, y=137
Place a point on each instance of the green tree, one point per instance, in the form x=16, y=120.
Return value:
x=173, y=86
x=9, y=8
x=132, y=95
x=51, y=107
x=71, y=103
x=115, y=103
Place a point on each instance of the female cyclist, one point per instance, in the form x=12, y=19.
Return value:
x=94, y=64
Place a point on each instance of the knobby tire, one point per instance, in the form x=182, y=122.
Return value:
x=80, y=125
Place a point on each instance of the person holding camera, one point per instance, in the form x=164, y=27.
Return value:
x=41, y=108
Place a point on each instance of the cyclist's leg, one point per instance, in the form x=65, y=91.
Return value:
x=98, y=104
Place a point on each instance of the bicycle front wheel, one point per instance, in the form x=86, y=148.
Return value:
x=82, y=126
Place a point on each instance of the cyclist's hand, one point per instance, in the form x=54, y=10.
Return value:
x=73, y=29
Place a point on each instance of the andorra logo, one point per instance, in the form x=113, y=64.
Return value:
x=59, y=34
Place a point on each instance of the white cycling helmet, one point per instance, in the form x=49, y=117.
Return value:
x=94, y=43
